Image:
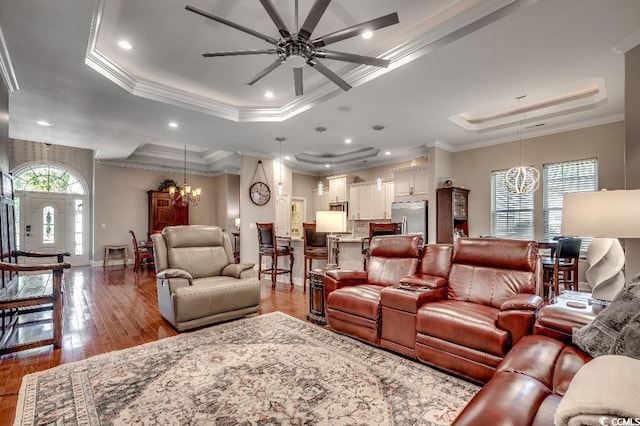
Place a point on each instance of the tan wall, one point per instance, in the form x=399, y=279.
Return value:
x=440, y=169
x=632, y=146
x=121, y=203
x=472, y=168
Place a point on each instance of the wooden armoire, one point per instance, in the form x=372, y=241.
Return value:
x=164, y=212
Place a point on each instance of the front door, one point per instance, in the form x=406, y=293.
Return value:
x=52, y=223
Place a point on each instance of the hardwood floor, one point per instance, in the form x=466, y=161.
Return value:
x=107, y=309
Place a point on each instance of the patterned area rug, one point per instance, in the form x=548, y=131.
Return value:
x=269, y=369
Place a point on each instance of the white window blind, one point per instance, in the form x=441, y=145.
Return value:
x=511, y=214
x=558, y=178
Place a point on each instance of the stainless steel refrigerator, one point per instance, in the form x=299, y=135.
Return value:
x=412, y=215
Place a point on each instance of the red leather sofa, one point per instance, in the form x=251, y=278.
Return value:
x=532, y=379
x=353, y=297
x=490, y=304
x=461, y=312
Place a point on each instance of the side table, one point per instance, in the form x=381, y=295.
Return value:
x=123, y=249
x=316, y=296
x=399, y=307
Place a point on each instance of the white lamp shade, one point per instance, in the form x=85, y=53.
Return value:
x=237, y=220
x=331, y=221
x=611, y=214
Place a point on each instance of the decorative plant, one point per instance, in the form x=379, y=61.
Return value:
x=164, y=186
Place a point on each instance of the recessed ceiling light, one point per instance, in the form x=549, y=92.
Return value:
x=286, y=157
x=124, y=44
x=387, y=153
x=347, y=140
x=43, y=123
x=367, y=34
x=268, y=94
x=173, y=124
x=327, y=166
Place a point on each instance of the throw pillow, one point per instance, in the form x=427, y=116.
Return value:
x=628, y=342
x=598, y=337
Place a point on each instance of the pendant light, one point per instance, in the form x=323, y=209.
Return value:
x=379, y=183
x=320, y=130
x=280, y=139
x=521, y=179
x=186, y=194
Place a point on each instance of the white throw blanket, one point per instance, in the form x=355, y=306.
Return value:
x=607, y=387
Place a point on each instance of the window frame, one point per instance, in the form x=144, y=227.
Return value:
x=519, y=206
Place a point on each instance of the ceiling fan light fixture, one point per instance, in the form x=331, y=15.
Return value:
x=296, y=61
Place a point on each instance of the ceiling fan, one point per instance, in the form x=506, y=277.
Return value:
x=298, y=49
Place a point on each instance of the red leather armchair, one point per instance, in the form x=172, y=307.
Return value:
x=353, y=297
x=490, y=304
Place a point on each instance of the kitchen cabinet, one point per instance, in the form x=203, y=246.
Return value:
x=411, y=181
x=453, y=214
x=366, y=202
x=337, y=188
x=164, y=212
x=298, y=216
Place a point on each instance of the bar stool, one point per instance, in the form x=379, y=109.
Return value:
x=271, y=245
x=563, y=268
x=375, y=229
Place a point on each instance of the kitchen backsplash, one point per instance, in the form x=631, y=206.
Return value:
x=362, y=227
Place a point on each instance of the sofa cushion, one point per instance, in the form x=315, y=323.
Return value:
x=603, y=335
x=468, y=324
x=198, y=261
x=359, y=300
x=392, y=257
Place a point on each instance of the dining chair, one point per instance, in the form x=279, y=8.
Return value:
x=274, y=247
x=315, y=247
x=143, y=251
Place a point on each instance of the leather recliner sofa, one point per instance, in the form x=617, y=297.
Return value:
x=198, y=282
x=460, y=313
x=534, y=376
x=490, y=304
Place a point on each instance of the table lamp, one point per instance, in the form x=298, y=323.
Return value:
x=331, y=221
x=606, y=216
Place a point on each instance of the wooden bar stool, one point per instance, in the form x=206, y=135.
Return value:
x=274, y=247
x=315, y=247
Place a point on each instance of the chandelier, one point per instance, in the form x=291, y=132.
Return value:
x=521, y=179
x=186, y=194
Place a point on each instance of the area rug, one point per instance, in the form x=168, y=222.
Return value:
x=269, y=369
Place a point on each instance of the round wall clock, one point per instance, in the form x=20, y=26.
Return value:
x=260, y=193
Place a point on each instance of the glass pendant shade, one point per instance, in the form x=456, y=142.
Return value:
x=379, y=183
x=320, y=188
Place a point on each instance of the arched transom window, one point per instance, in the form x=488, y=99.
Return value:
x=48, y=178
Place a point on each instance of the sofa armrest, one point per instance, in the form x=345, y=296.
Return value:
x=175, y=273
x=518, y=322
x=522, y=301
x=338, y=278
x=558, y=322
x=235, y=270
x=425, y=280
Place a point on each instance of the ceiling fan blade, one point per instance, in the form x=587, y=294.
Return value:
x=349, y=57
x=231, y=24
x=265, y=71
x=374, y=24
x=316, y=12
x=276, y=18
x=239, y=53
x=297, y=81
x=329, y=74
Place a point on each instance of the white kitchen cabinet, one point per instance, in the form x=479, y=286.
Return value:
x=283, y=216
x=367, y=203
x=411, y=181
x=354, y=203
x=337, y=188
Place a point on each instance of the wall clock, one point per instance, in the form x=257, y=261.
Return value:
x=260, y=193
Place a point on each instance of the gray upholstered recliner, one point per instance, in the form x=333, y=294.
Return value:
x=197, y=281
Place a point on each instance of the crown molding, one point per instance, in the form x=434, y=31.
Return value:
x=627, y=44
x=167, y=169
x=599, y=121
x=6, y=66
x=447, y=26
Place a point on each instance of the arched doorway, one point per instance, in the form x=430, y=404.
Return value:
x=50, y=201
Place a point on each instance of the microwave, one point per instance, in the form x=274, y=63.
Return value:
x=341, y=206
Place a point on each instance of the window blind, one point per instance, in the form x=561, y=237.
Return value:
x=511, y=214
x=558, y=178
